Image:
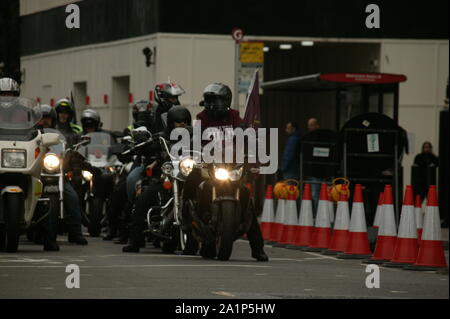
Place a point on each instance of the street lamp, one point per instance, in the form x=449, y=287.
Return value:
x=148, y=53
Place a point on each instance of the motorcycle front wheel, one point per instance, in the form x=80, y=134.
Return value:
x=14, y=205
x=95, y=216
x=227, y=226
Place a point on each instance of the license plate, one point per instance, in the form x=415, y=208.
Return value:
x=51, y=189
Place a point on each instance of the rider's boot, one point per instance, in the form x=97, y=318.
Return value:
x=76, y=236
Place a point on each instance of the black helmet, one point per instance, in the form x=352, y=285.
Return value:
x=91, y=118
x=178, y=114
x=166, y=91
x=217, y=100
x=142, y=113
x=48, y=111
x=64, y=105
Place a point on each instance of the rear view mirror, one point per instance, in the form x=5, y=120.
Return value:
x=49, y=139
x=202, y=103
x=85, y=139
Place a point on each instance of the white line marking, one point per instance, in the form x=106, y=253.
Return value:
x=142, y=266
x=223, y=293
x=399, y=292
x=321, y=256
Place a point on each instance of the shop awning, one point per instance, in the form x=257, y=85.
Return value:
x=332, y=81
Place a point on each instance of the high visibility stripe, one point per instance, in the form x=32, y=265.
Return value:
x=432, y=224
x=408, y=228
x=306, y=215
x=358, y=218
x=342, y=221
x=323, y=215
x=388, y=225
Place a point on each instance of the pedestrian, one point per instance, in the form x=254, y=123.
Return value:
x=424, y=170
x=316, y=182
x=291, y=157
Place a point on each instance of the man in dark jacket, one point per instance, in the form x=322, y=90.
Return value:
x=291, y=157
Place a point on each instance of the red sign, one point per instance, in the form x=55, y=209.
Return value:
x=370, y=78
x=237, y=34
x=88, y=100
x=105, y=99
x=52, y=102
x=130, y=98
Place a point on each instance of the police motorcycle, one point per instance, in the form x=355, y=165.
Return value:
x=97, y=189
x=23, y=148
x=51, y=203
x=222, y=210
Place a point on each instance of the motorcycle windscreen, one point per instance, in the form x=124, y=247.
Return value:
x=99, y=152
x=57, y=149
x=17, y=113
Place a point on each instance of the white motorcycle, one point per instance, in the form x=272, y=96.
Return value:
x=22, y=149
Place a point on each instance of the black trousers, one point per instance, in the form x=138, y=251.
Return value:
x=144, y=201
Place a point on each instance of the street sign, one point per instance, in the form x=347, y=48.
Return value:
x=237, y=34
x=252, y=52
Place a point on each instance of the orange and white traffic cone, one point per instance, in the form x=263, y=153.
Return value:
x=358, y=241
x=379, y=212
x=277, y=228
x=419, y=217
x=339, y=238
x=322, y=231
x=305, y=226
x=291, y=220
x=387, y=233
x=406, y=247
x=268, y=214
x=330, y=205
x=431, y=252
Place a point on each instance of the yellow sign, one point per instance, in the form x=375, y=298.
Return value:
x=252, y=52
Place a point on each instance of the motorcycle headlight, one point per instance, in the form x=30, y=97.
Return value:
x=221, y=174
x=186, y=166
x=51, y=163
x=14, y=158
x=87, y=176
x=167, y=168
x=236, y=174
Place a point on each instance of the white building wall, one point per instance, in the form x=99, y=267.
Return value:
x=193, y=61
x=33, y=6
x=422, y=96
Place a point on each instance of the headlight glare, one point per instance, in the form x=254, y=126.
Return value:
x=221, y=174
x=186, y=166
x=51, y=163
x=87, y=175
x=236, y=174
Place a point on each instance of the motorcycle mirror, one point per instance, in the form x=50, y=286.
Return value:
x=49, y=139
x=85, y=139
x=202, y=103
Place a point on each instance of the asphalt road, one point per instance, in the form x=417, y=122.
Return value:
x=106, y=272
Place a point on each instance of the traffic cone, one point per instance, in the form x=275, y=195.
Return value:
x=406, y=247
x=330, y=206
x=379, y=211
x=419, y=217
x=291, y=219
x=277, y=228
x=387, y=233
x=268, y=215
x=305, y=226
x=339, y=238
x=431, y=252
x=358, y=241
x=322, y=231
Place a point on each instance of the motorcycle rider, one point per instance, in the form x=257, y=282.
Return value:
x=9, y=87
x=66, y=112
x=218, y=114
x=71, y=200
x=177, y=117
x=167, y=95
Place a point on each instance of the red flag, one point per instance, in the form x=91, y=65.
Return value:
x=253, y=111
